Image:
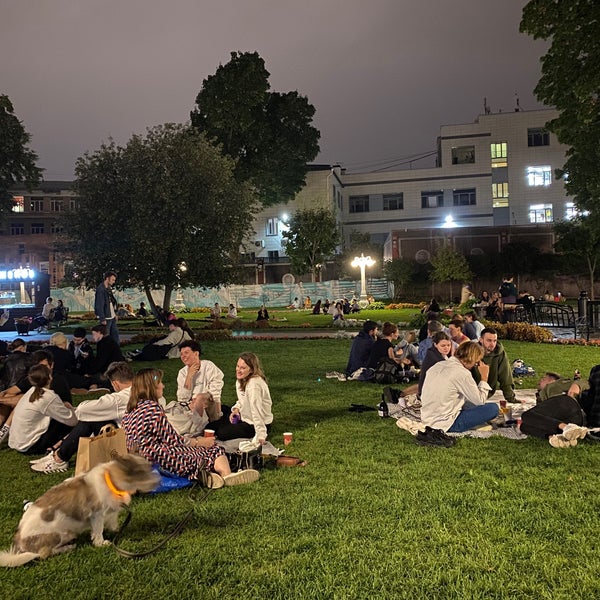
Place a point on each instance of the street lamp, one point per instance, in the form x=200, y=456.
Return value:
x=363, y=262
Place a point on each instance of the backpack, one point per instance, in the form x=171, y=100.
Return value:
x=387, y=371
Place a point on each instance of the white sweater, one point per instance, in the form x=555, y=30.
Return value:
x=254, y=404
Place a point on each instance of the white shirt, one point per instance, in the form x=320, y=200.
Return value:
x=208, y=379
x=110, y=407
x=254, y=404
x=448, y=385
x=32, y=419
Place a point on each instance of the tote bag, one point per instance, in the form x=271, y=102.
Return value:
x=104, y=447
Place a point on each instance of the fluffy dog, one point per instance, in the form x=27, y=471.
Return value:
x=91, y=501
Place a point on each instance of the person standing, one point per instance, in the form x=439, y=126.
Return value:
x=105, y=305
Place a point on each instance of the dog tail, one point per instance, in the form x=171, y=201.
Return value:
x=16, y=559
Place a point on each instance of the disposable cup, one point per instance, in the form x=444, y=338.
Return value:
x=209, y=433
x=287, y=437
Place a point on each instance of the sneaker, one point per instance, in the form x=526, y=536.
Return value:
x=574, y=432
x=341, y=377
x=214, y=481
x=331, y=375
x=560, y=441
x=4, y=433
x=241, y=477
x=46, y=457
x=390, y=395
x=434, y=437
x=51, y=466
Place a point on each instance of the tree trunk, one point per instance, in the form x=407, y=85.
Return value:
x=167, y=297
x=151, y=302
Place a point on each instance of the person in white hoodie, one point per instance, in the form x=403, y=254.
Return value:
x=92, y=416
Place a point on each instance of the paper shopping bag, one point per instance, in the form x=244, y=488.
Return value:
x=104, y=447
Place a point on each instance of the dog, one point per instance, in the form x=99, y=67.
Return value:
x=91, y=501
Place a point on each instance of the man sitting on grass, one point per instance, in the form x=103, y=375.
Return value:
x=360, y=350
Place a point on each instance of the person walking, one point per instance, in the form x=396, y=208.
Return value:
x=105, y=305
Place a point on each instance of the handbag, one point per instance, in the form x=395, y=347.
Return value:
x=387, y=371
x=101, y=448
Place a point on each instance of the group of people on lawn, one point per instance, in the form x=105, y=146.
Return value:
x=41, y=417
x=458, y=377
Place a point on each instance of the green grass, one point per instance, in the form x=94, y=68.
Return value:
x=372, y=515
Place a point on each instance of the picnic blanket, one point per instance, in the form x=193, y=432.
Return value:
x=408, y=417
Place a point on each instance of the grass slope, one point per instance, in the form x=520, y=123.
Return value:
x=372, y=515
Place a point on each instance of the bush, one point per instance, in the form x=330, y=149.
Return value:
x=522, y=332
x=376, y=306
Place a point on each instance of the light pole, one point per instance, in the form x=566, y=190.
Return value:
x=363, y=262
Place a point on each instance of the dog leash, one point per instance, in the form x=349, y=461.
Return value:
x=176, y=530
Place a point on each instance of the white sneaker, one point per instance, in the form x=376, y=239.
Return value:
x=560, y=441
x=45, y=458
x=241, y=477
x=574, y=432
x=50, y=466
x=4, y=433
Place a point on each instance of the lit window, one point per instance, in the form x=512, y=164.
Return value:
x=499, y=194
x=463, y=155
x=538, y=136
x=541, y=213
x=537, y=176
x=272, y=226
x=19, y=204
x=359, y=204
x=464, y=197
x=393, y=201
x=499, y=154
x=432, y=199
x=570, y=211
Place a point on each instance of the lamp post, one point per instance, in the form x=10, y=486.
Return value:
x=363, y=262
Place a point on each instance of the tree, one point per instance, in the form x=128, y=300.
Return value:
x=449, y=265
x=312, y=237
x=579, y=240
x=164, y=210
x=570, y=81
x=17, y=161
x=268, y=133
x=400, y=272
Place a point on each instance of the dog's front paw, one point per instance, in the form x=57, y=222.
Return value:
x=99, y=541
x=106, y=543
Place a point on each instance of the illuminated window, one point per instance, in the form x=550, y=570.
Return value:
x=19, y=204
x=541, y=213
x=538, y=136
x=272, y=228
x=464, y=197
x=359, y=204
x=499, y=154
x=463, y=155
x=499, y=194
x=393, y=201
x=537, y=176
x=570, y=211
x=432, y=199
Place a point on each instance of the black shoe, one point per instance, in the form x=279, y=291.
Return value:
x=434, y=437
x=390, y=395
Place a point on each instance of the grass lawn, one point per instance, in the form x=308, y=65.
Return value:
x=372, y=515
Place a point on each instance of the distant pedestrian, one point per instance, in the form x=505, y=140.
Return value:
x=105, y=305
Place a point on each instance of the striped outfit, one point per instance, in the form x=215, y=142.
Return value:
x=151, y=435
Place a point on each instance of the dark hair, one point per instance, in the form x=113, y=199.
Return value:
x=100, y=329
x=144, y=387
x=457, y=323
x=369, y=326
x=488, y=330
x=17, y=343
x=193, y=345
x=109, y=274
x=438, y=336
x=39, y=355
x=79, y=332
x=472, y=314
x=39, y=377
x=183, y=324
x=388, y=329
x=119, y=371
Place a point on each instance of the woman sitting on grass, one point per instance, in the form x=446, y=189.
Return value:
x=451, y=400
x=40, y=418
x=251, y=415
x=150, y=434
x=439, y=351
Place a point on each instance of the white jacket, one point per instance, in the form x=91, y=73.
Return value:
x=254, y=404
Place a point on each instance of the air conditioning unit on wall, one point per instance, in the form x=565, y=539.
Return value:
x=259, y=243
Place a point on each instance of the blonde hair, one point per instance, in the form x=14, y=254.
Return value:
x=255, y=368
x=144, y=387
x=469, y=352
x=59, y=339
x=39, y=377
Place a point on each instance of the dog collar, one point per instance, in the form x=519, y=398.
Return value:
x=121, y=494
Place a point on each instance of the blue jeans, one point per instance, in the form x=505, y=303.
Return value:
x=472, y=415
x=113, y=330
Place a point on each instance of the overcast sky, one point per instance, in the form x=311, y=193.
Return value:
x=383, y=75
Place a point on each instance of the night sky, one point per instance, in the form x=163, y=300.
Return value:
x=383, y=75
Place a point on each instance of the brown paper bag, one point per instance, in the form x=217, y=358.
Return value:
x=92, y=451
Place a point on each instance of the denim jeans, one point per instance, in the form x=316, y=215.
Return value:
x=113, y=330
x=472, y=415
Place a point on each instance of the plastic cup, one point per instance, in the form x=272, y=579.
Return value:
x=287, y=437
x=209, y=433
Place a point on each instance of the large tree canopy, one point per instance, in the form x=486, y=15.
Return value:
x=270, y=134
x=164, y=210
x=571, y=82
x=17, y=161
x=312, y=237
